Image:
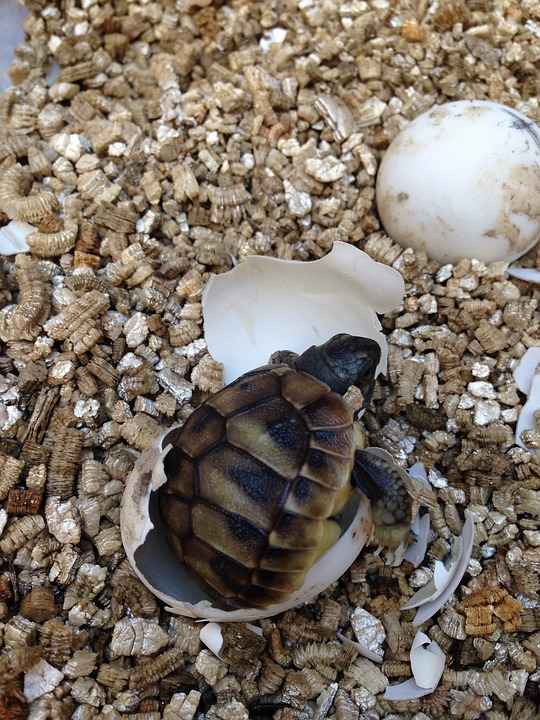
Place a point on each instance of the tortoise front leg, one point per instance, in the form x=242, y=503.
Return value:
x=380, y=478
x=389, y=488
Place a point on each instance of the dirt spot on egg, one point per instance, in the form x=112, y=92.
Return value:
x=402, y=197
x=476, y=111
x=438, y=116
x=140, y=487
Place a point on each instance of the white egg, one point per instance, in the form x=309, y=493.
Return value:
x=463, y=180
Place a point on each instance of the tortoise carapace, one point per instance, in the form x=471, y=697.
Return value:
x=260, y=470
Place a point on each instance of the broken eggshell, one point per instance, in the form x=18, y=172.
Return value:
x=526, y=369
x=267, y=304
x=527, y=419
x=148, y=551
x=527, y=377
x=13, y=237
x=363, y=649
x=524, y=273
x=431, y=598
x=416, y=552
x=427, y=665
x=211, y=636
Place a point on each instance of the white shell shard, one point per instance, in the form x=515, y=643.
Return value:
x=40, y=679
x=211, y=636
x=256, y=629
x=407, y=690
x=13, y=237
x=432, y=590
x=527, y=274
x=156, y=566
x=526, y=419
x=3, y=520
x=416, y=552
x=267, y=305
x=526, y=368
x=470, y=171
x=431, y=598
x=427, y=661
x=427, y=665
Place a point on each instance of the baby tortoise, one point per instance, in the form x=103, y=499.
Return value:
x=259, y=472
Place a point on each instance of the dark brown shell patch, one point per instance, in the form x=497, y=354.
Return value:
x=330, y=471
x=309, y=499
x=202, y=431
x=233, y=480
x=244, y=393
x=180, y=472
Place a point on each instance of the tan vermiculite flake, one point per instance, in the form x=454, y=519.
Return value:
x=21, y=531
x=54, y=243
x=11, y=469
x=15, y=201
x=137, y=636
x=155, y=669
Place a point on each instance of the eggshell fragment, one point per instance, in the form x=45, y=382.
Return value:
x=427, y=661
x=153, y=561
x=463, y=180
x=526, y=369
x=13, y=237
x=266, y=305
x=363, y=649
x=527, y=416
x=407, y=690
x=527, y=274
x=432, y=589
x=431, y=598
x=211, y=636
x=416, y=552
x=427, y=665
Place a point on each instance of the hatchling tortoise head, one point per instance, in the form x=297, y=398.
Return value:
x=259, y=474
